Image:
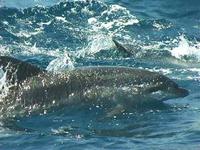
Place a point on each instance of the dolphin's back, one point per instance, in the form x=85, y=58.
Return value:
x=118, y=76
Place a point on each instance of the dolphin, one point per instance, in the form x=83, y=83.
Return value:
x=131, y=50
x=119, y=87
x=161, y=56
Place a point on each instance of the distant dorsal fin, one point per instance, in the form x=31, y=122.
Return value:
x=122, y=48
x=18, y=70
x=131, y=50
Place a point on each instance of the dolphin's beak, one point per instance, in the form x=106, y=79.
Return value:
x=181, y=92
x=175, y=93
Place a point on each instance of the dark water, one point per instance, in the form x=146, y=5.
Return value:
x=80, y=33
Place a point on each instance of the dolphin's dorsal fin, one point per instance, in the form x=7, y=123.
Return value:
x=18, y=70
x=121, y=48
x=131, y=50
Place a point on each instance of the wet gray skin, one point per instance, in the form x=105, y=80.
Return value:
x=96, y=85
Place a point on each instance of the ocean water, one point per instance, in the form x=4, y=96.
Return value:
x=59, y=35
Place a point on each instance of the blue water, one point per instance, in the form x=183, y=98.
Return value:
x=80, y=33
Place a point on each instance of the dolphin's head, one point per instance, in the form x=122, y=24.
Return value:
x=167, y=89
x=176, y=92
x=169, y=93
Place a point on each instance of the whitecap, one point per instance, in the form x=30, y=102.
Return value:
x=186, y=48
x=60, y=64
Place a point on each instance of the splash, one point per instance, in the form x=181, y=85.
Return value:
x=186, y=50
x=96, y=44
x=4, y=50
x=27, y=34
x=2, y=79
x=111, y=21
x=62, y=19
x=159, y=25
x=4, y=87
x=27, y=49
x=60, y=64
x=5, y=108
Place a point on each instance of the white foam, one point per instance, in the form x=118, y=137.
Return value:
x=44, y=23
x=34, y=49
x=22, y=32
x=4, y=50
x=29, y=49
x=162, y=70
x=60, y=18
x=60, y=64
x=87, y=11
x=154, y=46
x=186, y=48
x=96, y=44
x=195, y=70
x=104, y=26
x=114, y=16
x=5, y=22
x=4, y=88
x=92, y=20
x=27, y=34
x=160, y=26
